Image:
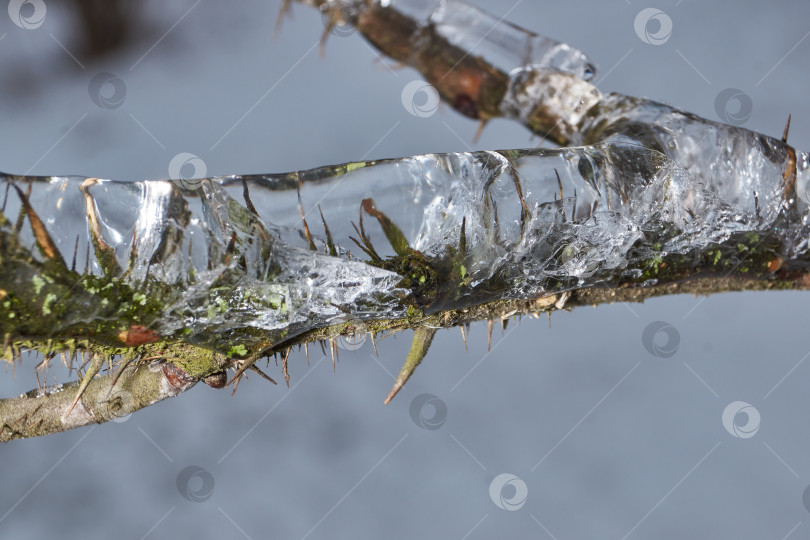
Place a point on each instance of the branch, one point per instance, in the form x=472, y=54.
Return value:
x=50, y=410
x=219, y=273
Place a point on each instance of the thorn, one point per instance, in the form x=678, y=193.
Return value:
x=422, y=338
x=105, y=254
x=75, y=251
x=21, y=216
x=480, y=130
x=246, y=195
x=490, y=326
x=262, y=374
x=95, y=366
x=374, y=343
x=549, y=318
x=284, y=367
x=559, y=183
x=237, y=378
x=787, y=129
x=44, y=240
x=333, y=349
x=524, y=215
x=464, y=337
x=329, y=242
x=325, y=36
x=283, y=12
x=323, y=349
x=307, y=234
x=120, y=372
x=306, y=350
x=504, y=324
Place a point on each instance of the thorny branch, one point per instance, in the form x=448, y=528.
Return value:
x=116, y=317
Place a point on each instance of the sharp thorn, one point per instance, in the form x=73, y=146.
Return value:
x=490, y=326
x=284, y=367
x=479, y=130
x=464, y=337
x=95, y=366
x=254, y=368
x=787, y=129
x=422, y=338
x=117, y=376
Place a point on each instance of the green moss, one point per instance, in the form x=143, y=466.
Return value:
x=46, y=306
x=237, y=350
x=38, y=284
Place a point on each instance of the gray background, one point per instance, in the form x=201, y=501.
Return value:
x=610, y=440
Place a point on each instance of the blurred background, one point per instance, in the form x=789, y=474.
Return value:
x=681, y=417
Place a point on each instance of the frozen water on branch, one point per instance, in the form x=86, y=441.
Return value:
x=461, y=25
x=283, y=254
x=235, y=253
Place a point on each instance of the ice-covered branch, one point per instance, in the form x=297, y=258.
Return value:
x=185, y=280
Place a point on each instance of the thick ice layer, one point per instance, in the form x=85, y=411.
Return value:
x=749, y=170
x=235, y=253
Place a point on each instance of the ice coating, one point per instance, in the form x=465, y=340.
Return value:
x=501, y=44
x=234, y=253
x=748, y=169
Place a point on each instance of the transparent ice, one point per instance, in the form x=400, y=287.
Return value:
x=235, y=254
